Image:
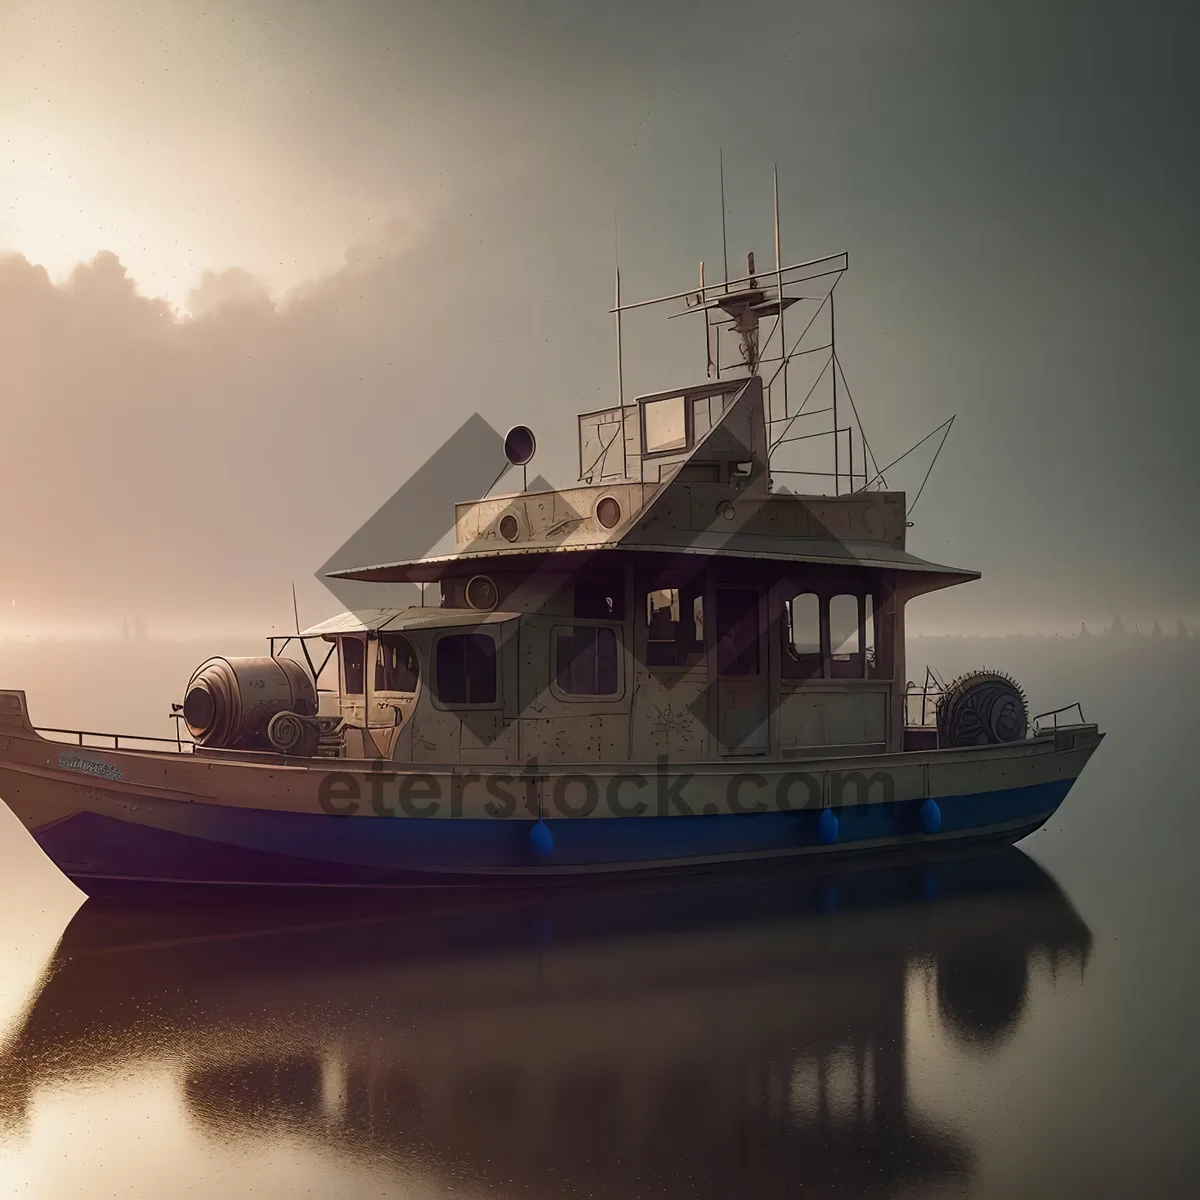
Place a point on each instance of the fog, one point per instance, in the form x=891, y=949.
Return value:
x=368, y=223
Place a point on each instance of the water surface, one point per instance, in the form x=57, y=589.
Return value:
x=1008, y=1025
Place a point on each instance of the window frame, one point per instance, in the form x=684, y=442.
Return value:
x=695, y=588
x=343, y=682
x=851, y=664
x=435, y=690
x=587, y=697
x=688, y=438
x=813, y=659
x=380, y=647
x=866, y=665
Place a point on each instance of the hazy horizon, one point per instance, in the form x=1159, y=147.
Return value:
x=258, y=262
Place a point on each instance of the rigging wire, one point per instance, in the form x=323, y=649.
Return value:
x=862, y=433
x=495, y=481
x=790, y=354
x=879, y=474
x=800, y=410
x=938, y=451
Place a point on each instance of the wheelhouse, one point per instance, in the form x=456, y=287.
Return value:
x=693, y=611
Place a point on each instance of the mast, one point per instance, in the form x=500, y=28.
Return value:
x=837, y=475
x=739, y=305
x=779, y=293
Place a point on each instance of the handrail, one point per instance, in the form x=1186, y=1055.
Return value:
x=1054, y=712
x=930, y=690
x=80, y=734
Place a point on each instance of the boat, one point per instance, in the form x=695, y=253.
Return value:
x=610, y=1040
x=677, y=664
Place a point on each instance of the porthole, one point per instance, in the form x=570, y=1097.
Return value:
x=726, y=510
x=481, y=593
x=510, y=528
x=608, y=512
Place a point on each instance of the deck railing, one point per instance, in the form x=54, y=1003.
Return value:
x=177, y=743
x=921, y=700
x=1054, y=714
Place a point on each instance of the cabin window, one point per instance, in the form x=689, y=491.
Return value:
x=850, y=632
x=802, y=658
x=396, y=667
x=600, y=597
x=664, y=425
x=354, y=665
x=804, y=625
x=843, y=627
x=327, y=668
x=845, y=636
x=585, y=661
x=737, y=632
x=675, y=626
x=466, y=669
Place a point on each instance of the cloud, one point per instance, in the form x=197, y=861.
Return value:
x=188, y=465
x=233, y=286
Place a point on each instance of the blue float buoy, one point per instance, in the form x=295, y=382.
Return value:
x=931, y=816
x=827, y=826
x=541, y=841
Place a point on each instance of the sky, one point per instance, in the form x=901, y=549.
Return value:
x=258, y=261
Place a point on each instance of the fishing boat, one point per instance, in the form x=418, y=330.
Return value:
x=677, y=664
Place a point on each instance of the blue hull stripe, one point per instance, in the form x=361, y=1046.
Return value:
x=191, y=841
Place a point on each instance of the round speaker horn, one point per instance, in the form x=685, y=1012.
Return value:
x=519, y=445
x=481, y=593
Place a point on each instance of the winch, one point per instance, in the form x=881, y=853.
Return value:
x=252, y=704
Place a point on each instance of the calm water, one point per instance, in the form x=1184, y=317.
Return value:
x=1023, y=1024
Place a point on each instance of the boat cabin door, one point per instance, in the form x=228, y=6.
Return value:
x=739, y=668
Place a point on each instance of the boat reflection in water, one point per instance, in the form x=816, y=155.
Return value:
x=733, y=1039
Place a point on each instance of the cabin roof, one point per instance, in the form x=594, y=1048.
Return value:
x=712, y=497
x=400, y=619
x=736, y=545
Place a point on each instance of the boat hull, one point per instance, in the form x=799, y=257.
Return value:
x=113, y=818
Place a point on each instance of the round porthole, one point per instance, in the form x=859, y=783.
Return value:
x=510, y=528
x=726, y=510
x=481, y=593
x=608, y=512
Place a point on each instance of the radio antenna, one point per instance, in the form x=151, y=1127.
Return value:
x=295, y=608
x=724, y=243
x=779, y=292
x=617, y=310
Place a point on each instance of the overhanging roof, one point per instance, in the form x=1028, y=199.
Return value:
x=400, y=619
x=737, y=545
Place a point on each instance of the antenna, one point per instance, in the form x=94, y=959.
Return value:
x=620, y=370
x=779, y=293
x=295, y=608
x=724, y=243
x=837, y=473
x=617, y=310
x=708, y=353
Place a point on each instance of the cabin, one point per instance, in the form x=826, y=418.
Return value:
x=675, y=603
